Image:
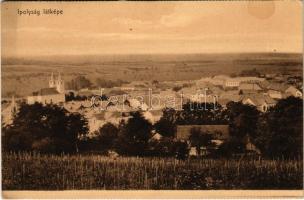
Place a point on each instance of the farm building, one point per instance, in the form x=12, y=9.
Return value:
x=262, y=102
x=249, y=88
x=292, y=91
x=275, y=94
x=221, y=132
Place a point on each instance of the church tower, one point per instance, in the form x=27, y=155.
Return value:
x=13, y=109
x=13, y=105
x=52, y=81
x=60, y=84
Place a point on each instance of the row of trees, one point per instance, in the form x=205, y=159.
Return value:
x=52, y=129
x=277, y=133
x=81, y=82
x=47, y=129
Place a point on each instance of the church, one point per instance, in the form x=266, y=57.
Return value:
x=54, y=94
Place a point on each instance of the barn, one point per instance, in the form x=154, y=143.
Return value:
x=220, y=132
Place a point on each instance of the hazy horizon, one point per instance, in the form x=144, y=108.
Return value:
x=153, y=54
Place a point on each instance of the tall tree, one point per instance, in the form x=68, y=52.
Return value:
x=107, y=135
x=280, y=130
x=243, y=119
x=134, y=135
x=49, y=128
x=166, y=126
x=199, y=139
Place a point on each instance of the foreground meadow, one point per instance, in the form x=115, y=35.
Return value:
x=30, y=171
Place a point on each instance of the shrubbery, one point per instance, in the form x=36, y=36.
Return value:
x=47, y=129
x=52, y=129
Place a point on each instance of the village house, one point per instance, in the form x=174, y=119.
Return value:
x=264, y=84
x=220, y=133
x=227, y=82
x=275, y=94
x=231, y=83
x=153, y=115
x=281, y=90
x=292, y=91
x=155, y=136
x=276, y=86
x=260, y=101
x=248, y=88
x=250, y=79
x=231, y=95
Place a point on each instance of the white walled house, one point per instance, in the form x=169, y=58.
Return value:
x=260, y=101
x=231, y=82
x=275, y=94
x=292, y=91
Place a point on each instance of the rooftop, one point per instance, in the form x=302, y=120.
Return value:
x=183, y=132
x=45, y=92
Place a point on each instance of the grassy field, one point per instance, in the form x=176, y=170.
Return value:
x=23, y=76
x=25, y=171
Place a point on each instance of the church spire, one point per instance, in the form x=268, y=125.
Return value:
x=59, y=76
x=13, y=100
x=60, y=84
x=52, y=81
x=13, y=105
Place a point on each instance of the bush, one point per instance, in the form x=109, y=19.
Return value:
x=47, y=129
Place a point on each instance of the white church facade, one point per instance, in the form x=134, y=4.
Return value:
x=55, y=93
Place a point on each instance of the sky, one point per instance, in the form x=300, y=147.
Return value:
x=152, y=27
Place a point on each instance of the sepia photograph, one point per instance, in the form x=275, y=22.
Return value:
x=155, y=99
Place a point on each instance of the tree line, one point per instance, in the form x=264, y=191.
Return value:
x=52, y=129
x=81, y=82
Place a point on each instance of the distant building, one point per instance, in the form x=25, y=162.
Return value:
x=155, y=136
x=220, y=132
x=250, y=147
x=232, y=95
x=275, y=94
x=250, y=86
x=262, y=102
x=8, y=111
x=281, y=90
x=231, y=82
x=153, y=115
x=250, y=79
x=276, y=86
x=55, y=93
x=292, y=91
x=228, y=82
x=264, y=84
